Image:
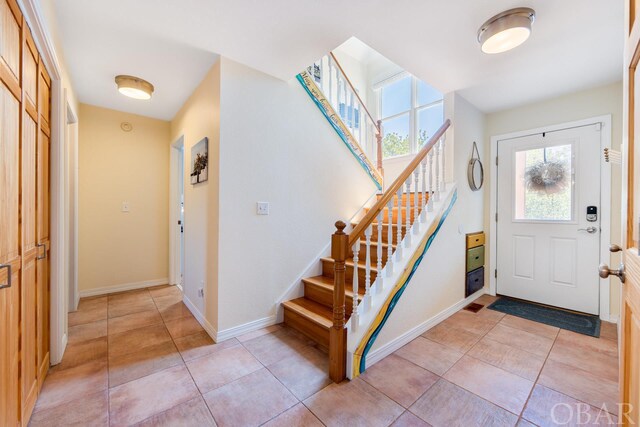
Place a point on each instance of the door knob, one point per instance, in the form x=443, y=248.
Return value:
x=589, y=230
x=614, y=248
x=605, y=271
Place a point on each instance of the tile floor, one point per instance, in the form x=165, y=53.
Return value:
x=140, y=358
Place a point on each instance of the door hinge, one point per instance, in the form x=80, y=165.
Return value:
x=496, y=160
x=496, y=216
x=495, y=273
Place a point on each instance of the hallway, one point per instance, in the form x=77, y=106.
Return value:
x=140, y=357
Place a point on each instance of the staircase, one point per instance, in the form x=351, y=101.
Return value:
x=372, y=261
x=312, y=314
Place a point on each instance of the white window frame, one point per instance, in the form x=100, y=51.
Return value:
x=413, y=110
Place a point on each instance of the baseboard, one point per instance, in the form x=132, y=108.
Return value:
x=410, y=335
x=247, y=327
x=123, y=287
x=57, y=358
x=213, y=333
x=610, y=318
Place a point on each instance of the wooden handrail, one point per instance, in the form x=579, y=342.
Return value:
x=393, y=188
x=353, y=89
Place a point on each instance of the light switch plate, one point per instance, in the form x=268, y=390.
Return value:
x=262, y=208
x=125, y=206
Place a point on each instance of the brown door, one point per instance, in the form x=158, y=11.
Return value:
x=31, y=250
x=42, y=215
x=629, y=413
x=10, y=248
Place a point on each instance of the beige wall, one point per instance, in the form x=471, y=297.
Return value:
x=117, y=248
x=199, y=117
x=575, y=106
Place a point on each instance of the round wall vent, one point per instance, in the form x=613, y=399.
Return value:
x=126, y=126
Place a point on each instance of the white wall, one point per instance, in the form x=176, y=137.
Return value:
x=277, y=147
x=575, y=106
x=439, y=281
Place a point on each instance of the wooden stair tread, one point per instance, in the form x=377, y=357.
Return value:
x=362, y=263
x=318, y=313
x=327, y=283
x=384, y=224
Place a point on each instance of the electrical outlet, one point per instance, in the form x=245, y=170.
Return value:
x=125, y=206
x=201, y=293
x=262, y=208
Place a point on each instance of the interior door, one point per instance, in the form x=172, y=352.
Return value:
x=42, y=219
x=548, y=236
x=630, y=310
x=29, y=248
x=10, y=263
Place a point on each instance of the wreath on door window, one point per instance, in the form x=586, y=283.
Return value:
x=548, y=176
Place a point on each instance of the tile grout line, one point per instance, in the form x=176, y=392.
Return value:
x=535, y=383
x=184, y=362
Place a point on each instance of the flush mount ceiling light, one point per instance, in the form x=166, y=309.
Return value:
x=506, y=30
x=134, y=87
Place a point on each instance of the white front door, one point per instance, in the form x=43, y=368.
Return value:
x=548, y=234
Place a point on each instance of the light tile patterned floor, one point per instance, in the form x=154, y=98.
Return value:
x=140, y=358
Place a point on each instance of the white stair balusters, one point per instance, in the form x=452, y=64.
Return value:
x=367, y=274
x=416, y=193
x=443, y=185
x=407, y=212
x=354, y=313
x=423, y=204
x=436, y=191
x=399, y=226
x=430, y=201
x=389, y=265
x=379, y=254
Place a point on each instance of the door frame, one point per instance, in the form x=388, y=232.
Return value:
x=605, y=197
x=71, y=185
x=174, y=214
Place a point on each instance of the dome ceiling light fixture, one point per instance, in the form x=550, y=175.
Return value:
x=134, y=87
x=506, y=30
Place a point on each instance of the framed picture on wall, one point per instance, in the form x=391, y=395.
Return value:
x=200, y=162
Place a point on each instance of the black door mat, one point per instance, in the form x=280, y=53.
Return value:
x=586, y=324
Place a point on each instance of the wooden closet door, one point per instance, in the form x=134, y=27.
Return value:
x=10, y=97
x=42, y=209
x=30, y=249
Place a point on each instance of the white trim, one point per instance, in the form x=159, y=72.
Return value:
x=246, y=327
x=123, y=287
x=231, y=332
x=174, y=252
x=605, y=195
x=413, y=333
x=33, y=15
x=388, y=80
x=213, y=333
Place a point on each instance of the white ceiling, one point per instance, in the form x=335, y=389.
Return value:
x=575, y=44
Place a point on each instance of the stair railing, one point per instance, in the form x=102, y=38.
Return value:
x=347, y=102
x=427, y=172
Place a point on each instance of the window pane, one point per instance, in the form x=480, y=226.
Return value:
x=396, y=97
x=396, y=136
x=544, y=184
x=429, y=121
x=427, y=94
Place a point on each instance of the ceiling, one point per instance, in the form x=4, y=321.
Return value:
x=575, y=44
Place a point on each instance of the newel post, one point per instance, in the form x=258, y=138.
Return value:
x=338, y=334
x=379, y=146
